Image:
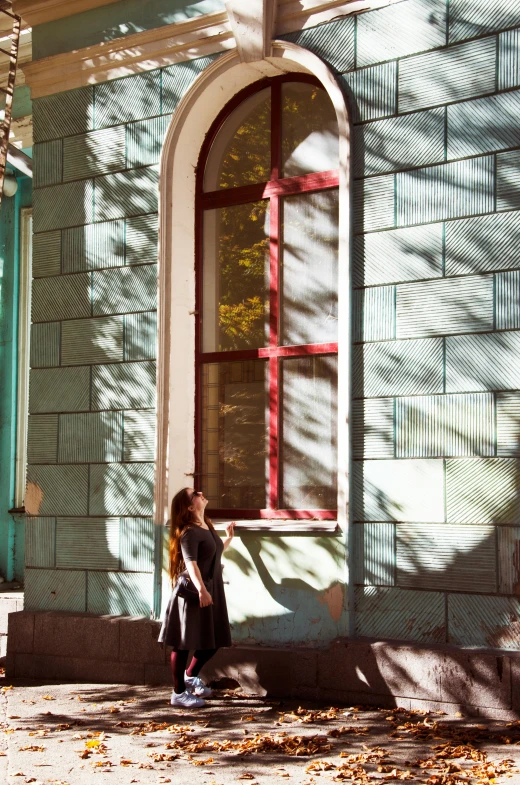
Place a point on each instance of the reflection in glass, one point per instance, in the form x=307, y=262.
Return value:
x=234, y=419
x=309, y=449
x=235, y=311
x=241, y=152
x=309, y=268
x=309, y=130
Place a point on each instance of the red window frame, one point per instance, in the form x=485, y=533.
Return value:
x=274, y=190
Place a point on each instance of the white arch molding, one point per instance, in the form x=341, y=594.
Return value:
x=216, y=85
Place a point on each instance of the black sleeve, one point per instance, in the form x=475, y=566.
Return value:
x=190, y=545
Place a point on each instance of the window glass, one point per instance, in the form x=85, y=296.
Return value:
x=234, y=422
x=241, y=152
x=308, y=455
x=235, y=293
x=310, y=140
x=309, y=268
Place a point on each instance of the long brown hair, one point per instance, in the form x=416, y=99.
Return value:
x=181, y=519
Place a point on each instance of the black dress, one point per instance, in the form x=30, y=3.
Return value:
x=186, y=625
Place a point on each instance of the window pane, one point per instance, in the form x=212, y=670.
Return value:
x=309, y=130
x=309, y=268
x=309, y=449
x=235, y=427
x=235, y=310
x=241, y=152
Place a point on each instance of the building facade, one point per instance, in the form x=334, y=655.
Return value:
x=422, y=545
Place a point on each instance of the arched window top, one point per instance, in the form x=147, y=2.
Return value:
x=286, y=129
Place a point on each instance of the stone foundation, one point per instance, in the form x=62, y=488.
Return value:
x=111, y=649
x=11, y=600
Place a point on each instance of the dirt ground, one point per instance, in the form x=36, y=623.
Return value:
x=81, y=733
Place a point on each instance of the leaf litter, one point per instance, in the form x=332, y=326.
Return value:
x=454, y=756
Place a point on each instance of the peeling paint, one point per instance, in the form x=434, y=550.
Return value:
x=333, y=598
x=33, y=498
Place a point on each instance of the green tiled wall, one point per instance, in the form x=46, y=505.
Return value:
x=434, y=102
x=436, y=275
x=90, y=537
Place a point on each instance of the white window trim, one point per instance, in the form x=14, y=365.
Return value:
x=214, y=88
x=24, y=332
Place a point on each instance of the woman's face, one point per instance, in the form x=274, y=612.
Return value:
x=198, y=501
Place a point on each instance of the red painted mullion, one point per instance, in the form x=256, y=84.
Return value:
x=274, y=256
x=276, y=129
x=199, y=218
x=315, y=181
x=273, y=433
x=264, y=353
x=272, y=514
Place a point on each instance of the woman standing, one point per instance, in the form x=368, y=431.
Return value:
x=196, y=617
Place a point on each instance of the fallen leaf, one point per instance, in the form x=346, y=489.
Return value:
x=48, y=698
x=319, y=765
x=158, y=757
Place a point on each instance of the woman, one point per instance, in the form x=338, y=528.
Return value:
x=203, y=625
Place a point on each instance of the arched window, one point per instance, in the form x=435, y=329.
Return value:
x=267, y=281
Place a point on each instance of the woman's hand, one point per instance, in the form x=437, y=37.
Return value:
x=205, y=598
x=230, y=531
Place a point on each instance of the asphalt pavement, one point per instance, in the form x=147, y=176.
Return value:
x=74, y=734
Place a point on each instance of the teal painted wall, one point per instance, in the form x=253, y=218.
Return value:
x=11, y=526
x=436, y=275
x=22, y=105
x=113, y=21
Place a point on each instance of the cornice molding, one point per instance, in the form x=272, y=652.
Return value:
x=175, y=43
x=37, y=12
x=130, y=55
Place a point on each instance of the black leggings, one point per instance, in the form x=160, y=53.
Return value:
x=179, y=659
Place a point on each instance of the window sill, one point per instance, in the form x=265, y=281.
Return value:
x=280, y=526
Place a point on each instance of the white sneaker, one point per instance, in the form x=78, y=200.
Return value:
x=186, y=700
x=196, y=686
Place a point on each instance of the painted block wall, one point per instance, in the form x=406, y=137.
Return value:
x=436, y=153
x=435, y=104
x=89, y=531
